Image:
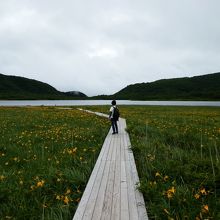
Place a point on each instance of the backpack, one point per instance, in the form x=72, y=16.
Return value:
x=116, y=114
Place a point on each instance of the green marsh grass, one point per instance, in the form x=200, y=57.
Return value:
x=46, y=157
x=176, y=151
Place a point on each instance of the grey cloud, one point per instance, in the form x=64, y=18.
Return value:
x=101, y=46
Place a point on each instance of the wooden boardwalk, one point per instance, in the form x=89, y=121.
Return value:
x=111, y=190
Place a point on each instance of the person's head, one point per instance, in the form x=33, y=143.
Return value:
x=113, y=102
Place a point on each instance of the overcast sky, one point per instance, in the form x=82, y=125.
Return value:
x=100, y=46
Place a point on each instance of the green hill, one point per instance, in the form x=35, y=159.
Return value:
x=205, y=87
x=15, y=87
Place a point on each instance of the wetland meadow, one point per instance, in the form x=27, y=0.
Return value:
x=47, y=155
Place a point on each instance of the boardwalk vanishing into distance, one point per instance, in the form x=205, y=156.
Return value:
x=111, y=192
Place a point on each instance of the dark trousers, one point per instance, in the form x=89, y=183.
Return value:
x=114, y=126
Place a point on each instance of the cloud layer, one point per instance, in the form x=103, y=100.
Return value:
x=100, y=46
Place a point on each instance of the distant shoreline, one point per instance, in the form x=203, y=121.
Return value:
x=14, y=103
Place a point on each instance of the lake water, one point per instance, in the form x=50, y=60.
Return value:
x=105, y=102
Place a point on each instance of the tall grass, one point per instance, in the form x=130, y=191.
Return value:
x=46, y=157
x=176, y=151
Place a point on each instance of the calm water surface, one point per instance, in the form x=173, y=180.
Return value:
x=105, y=102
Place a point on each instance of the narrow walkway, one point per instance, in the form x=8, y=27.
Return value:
x=111, y=190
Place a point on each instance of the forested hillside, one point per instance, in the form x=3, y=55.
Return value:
x=205, y=87
x=15, y=87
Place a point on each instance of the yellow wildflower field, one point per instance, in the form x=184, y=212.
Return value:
x=177, y=154
x=46, y=157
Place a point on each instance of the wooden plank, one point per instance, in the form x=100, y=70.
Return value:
x=116, y=142
x=86, y=195
x=109, y=148
x=124, y=193
x=99, y=178
x=104, y=200
x=117, y=189
x=122, y=148
x=126, y=147
x=101, y=195
x=102, y=191
x=107, y=203
x=109, y=156
x=94, y=193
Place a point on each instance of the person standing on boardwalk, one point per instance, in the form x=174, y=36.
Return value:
x=113, y=116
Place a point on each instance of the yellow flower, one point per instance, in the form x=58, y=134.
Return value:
x=66, y=200
x=36, y=178
x=40, y=183
x=15, y=159
x=203, y=191
x=170, y=192
x=68, y=191
x=153, y=183
x=205, y=209
x=21, y=182
x=166, y=178
x=2, y=177
x=150, y=157
x=74, y=149
x=157, y=174
x=58, y=179
x=58, y=197
x=197, y=196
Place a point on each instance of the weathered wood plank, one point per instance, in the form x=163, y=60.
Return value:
x=102, y=191
x=107, y=203
x=94, y=193
x=117, y=189
x=124, y=193
x=122, y=148
x=87, y=193
x=99, y=180
x=101, y=195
